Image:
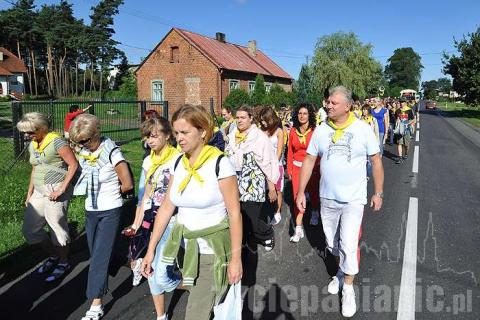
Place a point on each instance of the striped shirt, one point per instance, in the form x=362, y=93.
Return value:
x=49, y=166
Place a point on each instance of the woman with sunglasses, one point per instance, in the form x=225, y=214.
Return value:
x=105, y=177
x=53, y=167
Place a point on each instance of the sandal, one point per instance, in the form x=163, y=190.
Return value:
x=59, y=272
x=47, y=265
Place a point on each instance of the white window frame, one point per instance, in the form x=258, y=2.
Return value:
x=231, y=82
x=268, y=86
x=251, y=86
x=154, y=81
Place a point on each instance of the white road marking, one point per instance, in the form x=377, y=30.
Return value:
x=418, y=125
x=415, y=159
x=417, y=136
x=406, y=299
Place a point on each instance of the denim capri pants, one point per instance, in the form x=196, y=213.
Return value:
x=164, y=278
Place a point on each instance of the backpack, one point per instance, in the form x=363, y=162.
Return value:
x=129, y=195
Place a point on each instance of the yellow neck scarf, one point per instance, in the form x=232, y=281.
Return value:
x=92, y=157
x=368, y=119
x=227, y=123
x=302, y=137
x=207, y=153
x=339, y=129
x=158, y=160
x=239, y=137
x=45, y=142
x=405, y=109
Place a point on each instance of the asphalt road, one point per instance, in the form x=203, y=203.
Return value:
x=422, y=262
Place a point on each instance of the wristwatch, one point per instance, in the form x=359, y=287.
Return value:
x=378, y=194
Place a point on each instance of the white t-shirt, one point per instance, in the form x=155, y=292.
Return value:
x=109, y=196
x=343, y=164
x=201, y=206
x=159, y=179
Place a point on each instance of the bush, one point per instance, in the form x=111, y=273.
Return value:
x=236, y=98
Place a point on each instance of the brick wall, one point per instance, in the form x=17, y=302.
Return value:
x=191, y=78
x=245, y=78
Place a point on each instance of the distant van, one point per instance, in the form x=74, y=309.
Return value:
x=409, y=94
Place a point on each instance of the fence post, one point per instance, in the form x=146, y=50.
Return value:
x=17, y=137
x=165, y=109
x=92, y=108
x=143, y=108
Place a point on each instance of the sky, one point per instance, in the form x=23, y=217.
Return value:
x=287, y=31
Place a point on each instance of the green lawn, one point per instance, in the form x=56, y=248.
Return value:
x=14, y=188
x=460, y=110
x=5, y=115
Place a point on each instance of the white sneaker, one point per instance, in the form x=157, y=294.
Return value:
x=334, y=286
x=314, y=218
x=93, y=315
x=269, y=244
x=299, y=234
x=137, y=274
x=276, y=219
x=349, y=306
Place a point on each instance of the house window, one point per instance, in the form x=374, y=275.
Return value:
x=174, y=54
x=157, y=90
x=268, y=86
x=234, y=84
x=251, y=86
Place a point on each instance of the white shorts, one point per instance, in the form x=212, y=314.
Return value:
x=341, y=225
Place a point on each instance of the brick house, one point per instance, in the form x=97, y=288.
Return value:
x=11, y=74
x=189, y=68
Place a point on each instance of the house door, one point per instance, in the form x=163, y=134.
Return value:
x=1, y=89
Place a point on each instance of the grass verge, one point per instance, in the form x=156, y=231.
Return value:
x=470, y=115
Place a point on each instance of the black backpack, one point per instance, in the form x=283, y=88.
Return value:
x=129, y=195
x=217, y=164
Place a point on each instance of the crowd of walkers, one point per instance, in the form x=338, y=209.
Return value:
x=206, y=193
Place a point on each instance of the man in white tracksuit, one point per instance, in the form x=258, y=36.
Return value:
x=343, y=144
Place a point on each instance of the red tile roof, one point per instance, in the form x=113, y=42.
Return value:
x=231, y=56
x=11, y=63
x=4, y=72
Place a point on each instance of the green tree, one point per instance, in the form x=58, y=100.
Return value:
x=304, y=87
x=259, y=93
x=102, y=46
x=122, y=72
x=236, y=98
x=464, y=68
x=341, y=59
x=444, y=85
x=404, y=69
x=277, y=96
x=430, y=89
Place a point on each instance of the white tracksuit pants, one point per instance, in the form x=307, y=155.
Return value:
x=341, y=225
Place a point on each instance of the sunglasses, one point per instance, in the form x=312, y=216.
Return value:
x=29, y=132
x=83, y=142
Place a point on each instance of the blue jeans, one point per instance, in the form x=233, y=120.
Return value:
x=380, y=137
x=102, y=230
x=164, y=279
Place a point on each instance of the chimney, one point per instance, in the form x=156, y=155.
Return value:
x=220, y=37
x=1, y=56
x=252, y=47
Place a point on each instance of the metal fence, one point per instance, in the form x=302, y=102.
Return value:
x=119, y=120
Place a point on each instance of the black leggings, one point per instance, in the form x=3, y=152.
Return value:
x=255, y=226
